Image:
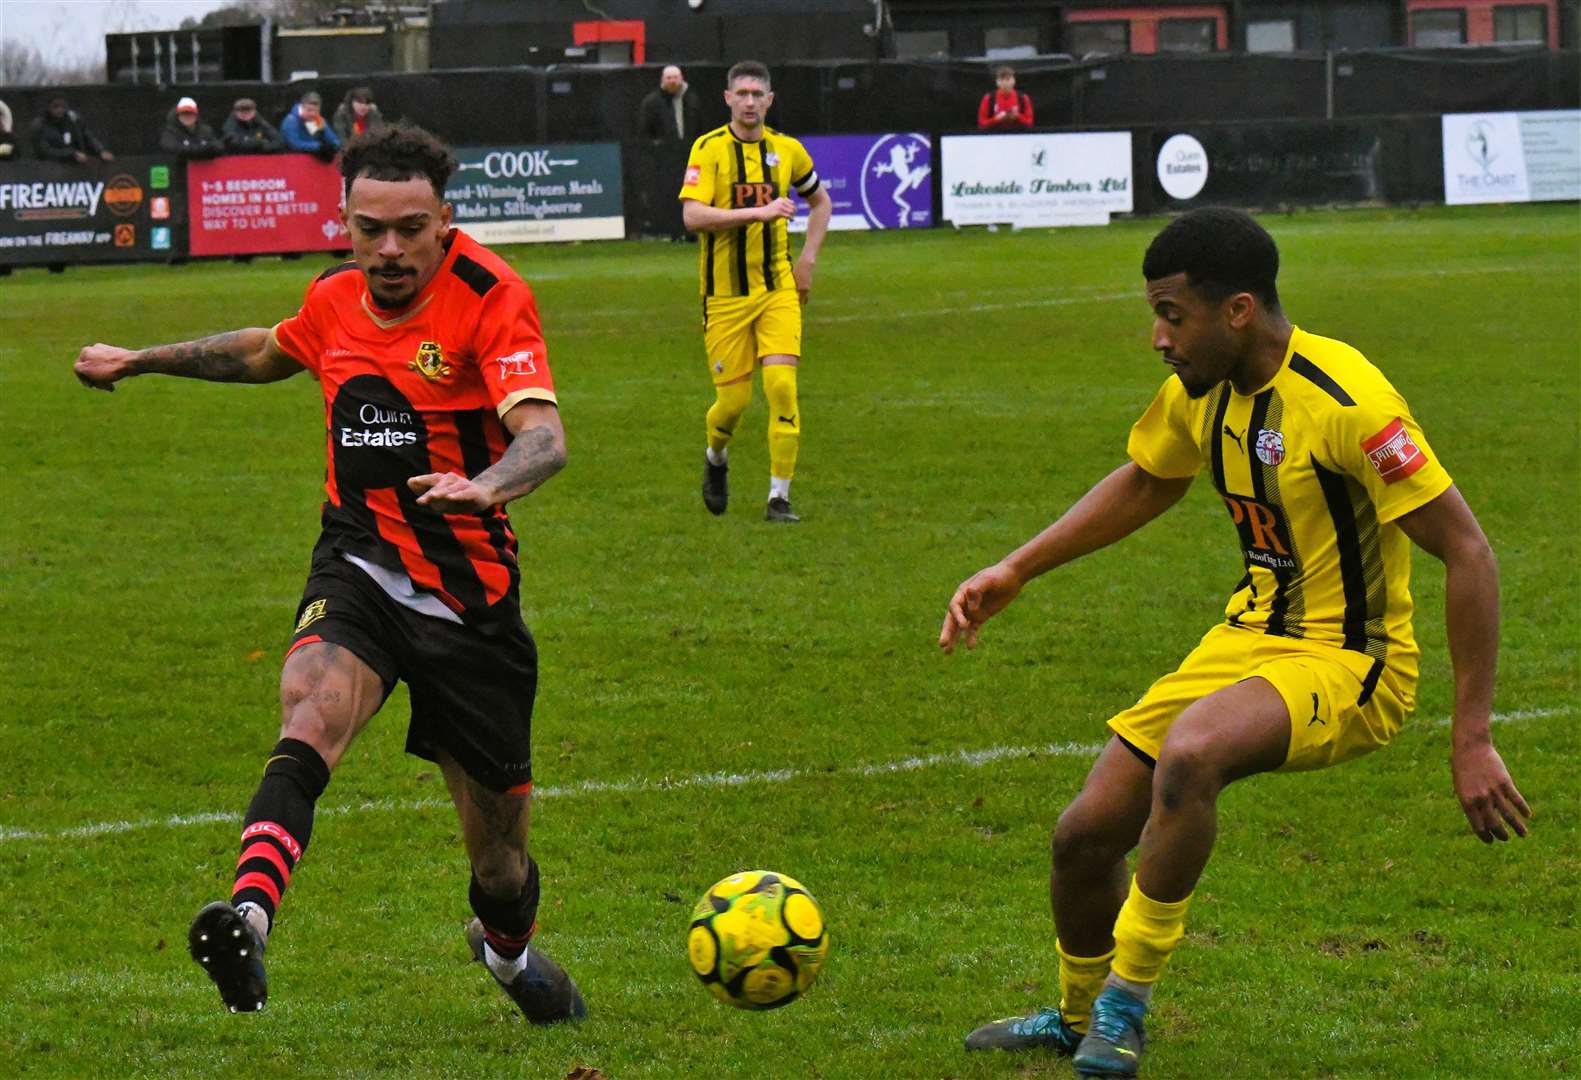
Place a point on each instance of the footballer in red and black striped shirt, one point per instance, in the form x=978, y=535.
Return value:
x=423, y=390
x=439, y=409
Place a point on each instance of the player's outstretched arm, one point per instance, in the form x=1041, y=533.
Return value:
x=536, y=452
x=1117, y=506
x=821, y=208
x=244, y=356
x=1447, y=529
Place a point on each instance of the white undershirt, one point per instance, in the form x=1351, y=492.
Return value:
x=398, y=587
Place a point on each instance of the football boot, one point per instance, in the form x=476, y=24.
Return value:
x=541, y=990
x=1045, y=1028
x=1114, y=1040
x=226, y=946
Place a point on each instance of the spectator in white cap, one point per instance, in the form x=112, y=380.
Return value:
x=186, y=135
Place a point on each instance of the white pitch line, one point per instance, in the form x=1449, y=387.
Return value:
x=966, y=758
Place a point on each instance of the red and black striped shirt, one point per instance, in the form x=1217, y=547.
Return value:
x=418, y=391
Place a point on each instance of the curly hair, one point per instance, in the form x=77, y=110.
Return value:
x=399, y=151
x=1220, y=251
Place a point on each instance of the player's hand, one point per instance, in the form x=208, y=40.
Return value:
x=782, y=207
x=802, y=272
x=980, y=597
x=1486, y=792
x=450, y=493
x=100, y=367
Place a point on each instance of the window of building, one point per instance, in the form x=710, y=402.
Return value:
x=1187, y=35
x=1010, y=42
x=1271, y=35
x=1435, y=29
x=921, y=44
x=1102, y=38
x=1526, y=25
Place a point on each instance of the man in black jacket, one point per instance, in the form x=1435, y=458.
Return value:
x=669, y=119
x=186, y=135
x=245, y=132
x=60, y=135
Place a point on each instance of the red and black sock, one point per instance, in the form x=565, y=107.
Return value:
x=508, y=924
x=278, y=825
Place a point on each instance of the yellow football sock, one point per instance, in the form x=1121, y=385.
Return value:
x=1146, y=932
x=730, y=401
x=779, y=386
x=1080, y=981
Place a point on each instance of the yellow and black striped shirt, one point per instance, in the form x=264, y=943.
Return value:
x=1314, y=469
x=725, y=172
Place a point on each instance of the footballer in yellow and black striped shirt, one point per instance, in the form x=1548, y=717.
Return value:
x=737, y=195
x=1328, y=480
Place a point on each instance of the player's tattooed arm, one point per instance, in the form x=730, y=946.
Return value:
x=536, y=452
x=245, y=356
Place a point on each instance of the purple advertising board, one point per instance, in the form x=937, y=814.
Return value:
x=876, y=181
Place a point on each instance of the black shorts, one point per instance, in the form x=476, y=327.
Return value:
x=472, y=686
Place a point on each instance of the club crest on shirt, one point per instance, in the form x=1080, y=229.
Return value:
x=1270, y=447
x=430, y=362
x=311, y=614
x=771, y=159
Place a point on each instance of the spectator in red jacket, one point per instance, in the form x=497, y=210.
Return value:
x=1004, y=109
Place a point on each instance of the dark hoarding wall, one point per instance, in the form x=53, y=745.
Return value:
x=117, y=211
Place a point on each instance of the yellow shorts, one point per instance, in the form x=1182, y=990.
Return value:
x=1340, y=707
x=737, y=330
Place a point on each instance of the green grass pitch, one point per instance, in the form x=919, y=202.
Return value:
x=719, y=694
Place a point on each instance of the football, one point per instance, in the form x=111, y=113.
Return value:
x=757, y=940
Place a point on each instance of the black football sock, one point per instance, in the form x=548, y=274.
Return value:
x=278, y=825
x=508, y=924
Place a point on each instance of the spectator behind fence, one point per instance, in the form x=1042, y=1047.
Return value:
x=669, y=119
x=60, y=135
x=304, y=130
x=1003, y=109
x=356, y=114
x=245, y=132
x=7, y=142
x=187, y=136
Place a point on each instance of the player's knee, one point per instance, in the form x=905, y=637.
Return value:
x=1188, y=768
x=500, y=870
x=730, y=401
x=1083, y=839
x=313, y=713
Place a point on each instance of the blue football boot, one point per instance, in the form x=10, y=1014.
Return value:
x=1045, y=1028
x=1114, y=1040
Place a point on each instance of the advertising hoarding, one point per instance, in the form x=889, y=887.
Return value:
x=1267, y=165
x=1512, y=156
x=101, y=211
x=1036, y=180
x=876, y=181
x=532, y=194
x=256, y=204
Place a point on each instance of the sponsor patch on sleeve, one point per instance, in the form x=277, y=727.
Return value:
x=1392, y=452
x=517, y=364
x=694, y=173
